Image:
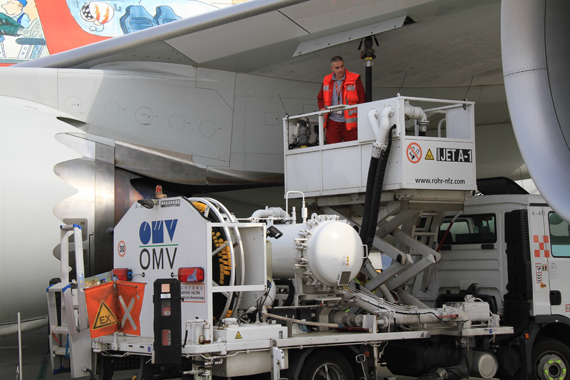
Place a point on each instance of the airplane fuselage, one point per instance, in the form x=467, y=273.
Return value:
x=65, y=133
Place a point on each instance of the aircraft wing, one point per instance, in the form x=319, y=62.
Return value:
x=443, y=49
x=450, y=45
x=244, y=37
x=162, y=43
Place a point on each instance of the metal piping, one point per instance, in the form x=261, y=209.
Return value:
x=415, y=113
x=414, y=317
x=303, y=207
x=265, y=315
x=439, y=126
x=380, y=130
x=270, y=213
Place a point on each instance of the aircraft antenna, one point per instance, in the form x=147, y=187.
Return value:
x=469, y=87
x=283, y=104
x=403, y=80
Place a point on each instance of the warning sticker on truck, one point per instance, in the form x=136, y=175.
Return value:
x=105, y=317
x=414, y=153
x=193, y=292
x=538, y=273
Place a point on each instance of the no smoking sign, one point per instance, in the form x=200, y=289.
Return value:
x=414, y=153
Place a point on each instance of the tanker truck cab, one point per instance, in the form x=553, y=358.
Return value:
x=513, y=252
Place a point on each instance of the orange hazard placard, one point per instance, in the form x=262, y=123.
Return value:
x=114, y=307
x=130, y=295
x=102, y=309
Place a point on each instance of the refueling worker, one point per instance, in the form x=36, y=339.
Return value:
x=341, y=87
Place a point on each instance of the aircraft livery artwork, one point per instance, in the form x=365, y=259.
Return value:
x=31, y=29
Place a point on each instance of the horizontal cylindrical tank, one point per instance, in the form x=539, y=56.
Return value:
x=330, y=249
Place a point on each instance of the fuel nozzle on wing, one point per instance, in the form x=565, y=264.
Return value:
x=368, y=54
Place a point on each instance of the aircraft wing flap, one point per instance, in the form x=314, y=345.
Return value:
x=351, y=35
x=319, y=16
x=253, y=33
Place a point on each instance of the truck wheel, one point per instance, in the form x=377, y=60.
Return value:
x=551, y=360
x=326, y=364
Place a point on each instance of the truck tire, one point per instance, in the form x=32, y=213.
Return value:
x=551, y=360
x=328, y=365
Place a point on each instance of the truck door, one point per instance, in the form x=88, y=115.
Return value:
x=558, y=233
x=540, y=253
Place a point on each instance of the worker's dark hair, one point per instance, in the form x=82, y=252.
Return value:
x=336, y=58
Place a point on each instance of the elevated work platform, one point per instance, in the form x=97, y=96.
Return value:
x=433, y=166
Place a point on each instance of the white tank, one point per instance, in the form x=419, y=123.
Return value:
x=329, y=246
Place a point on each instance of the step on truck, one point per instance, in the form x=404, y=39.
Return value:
x=201, y=294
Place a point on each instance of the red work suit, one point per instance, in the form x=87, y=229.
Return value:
x=352, y=93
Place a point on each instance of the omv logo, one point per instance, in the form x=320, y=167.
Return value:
x=155, y=231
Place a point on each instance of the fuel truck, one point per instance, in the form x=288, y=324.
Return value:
x=277, y=296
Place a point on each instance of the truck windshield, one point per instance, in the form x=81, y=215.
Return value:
x=559, y=236
x=469, y=229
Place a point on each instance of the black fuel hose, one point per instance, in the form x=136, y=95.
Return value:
x=459, y=371
x=291, y=294
x=368, y=198
x=374, y=186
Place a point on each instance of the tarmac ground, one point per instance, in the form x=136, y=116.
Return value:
x=35, y=359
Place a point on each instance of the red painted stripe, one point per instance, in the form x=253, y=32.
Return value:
x=60, y=28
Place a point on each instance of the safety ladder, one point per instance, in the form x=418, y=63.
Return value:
x=427, y=227
x=70, y=338
x=427, y=231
